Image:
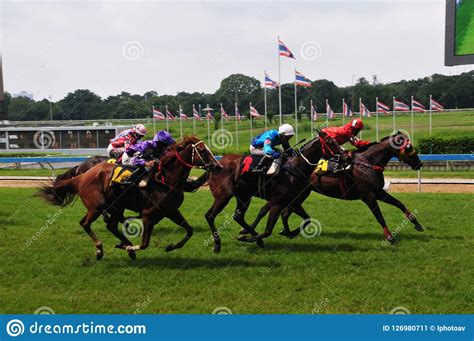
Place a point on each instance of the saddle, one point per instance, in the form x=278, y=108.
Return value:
x=254, y=164
x=334, y=166
x=126, y=175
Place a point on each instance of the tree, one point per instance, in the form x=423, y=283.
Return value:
x=237, y=88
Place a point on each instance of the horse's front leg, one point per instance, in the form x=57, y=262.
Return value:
x=388, y=199
x=149, y=222
x=262, y=213
x=177, y=218
x=371, y=201
x=299, y=210
x=275, y=212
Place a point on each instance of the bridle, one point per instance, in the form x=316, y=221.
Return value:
x=323, y=147
x=196, y=154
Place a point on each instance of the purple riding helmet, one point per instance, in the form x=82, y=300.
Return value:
x=164, y=137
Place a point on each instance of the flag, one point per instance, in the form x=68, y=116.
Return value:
x=329, y=112
x=417, y=106
x=284, y=51
x=270, y=83
x=238, y=115
x=363, y=110
x=254, y=112
x=196, y=114
x=224, y=114
x=301, y=80
x=346, y=111
x=314, y=114
x=209, y=116
x=400, y=106
x=436, y=106
x=383, y=108
x=169, y=115
x=182, y=115
x=158, y=115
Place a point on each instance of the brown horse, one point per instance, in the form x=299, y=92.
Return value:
x=364, y=183
x=280, y=190
x=160, y=199
x=83, y=167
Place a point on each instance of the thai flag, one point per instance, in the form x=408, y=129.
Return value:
x=314, y=114
x=182, y=115
x=329, y=111
x=254, y=112
x=383, y=108
x=209, y=116
x=196, y=114
x=284, y=51
x=270, y=83
x=224, y=114
x=436, y=106
x=169, y=115
x=400, y=106
x=364, y=111
x=158, y=115
x=238, y=114
x=346, y=110
x=301, y=80
x=417, y=106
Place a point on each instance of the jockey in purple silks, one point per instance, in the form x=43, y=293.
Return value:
x=137, y=154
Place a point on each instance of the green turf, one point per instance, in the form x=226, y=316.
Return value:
x=347, y=269
x=465, y=28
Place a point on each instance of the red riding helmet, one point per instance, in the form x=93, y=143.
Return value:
x=357, y=124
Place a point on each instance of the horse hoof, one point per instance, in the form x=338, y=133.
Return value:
x=392, y=240
x=132, y=254
x=242, y=238
x=419, y=228
x=119, y=246
x=243, y=232
x=99, y=255
x=217, y=249
x=285, y=233
x=260, y=243
x=169, y=248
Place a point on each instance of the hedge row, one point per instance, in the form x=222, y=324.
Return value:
x=439, y=145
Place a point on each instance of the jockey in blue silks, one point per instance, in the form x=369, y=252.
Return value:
x=264, y=144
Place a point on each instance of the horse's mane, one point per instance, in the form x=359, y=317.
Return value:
x=364, y=148
x=171, y=151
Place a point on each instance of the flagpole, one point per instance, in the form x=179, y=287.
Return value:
x=360, y=113
x=153, y=113
x=208, y=127
x=394, y=113
x=296, y=112
x=412, y=117
x=376, y=118
x=311, y=118
x=430, y=113
x=194, y=120
x=167, y=119
x=343, y=118
x=250, y=117
x=222, y=124
x=265, y=96
x=180, y=123
x=279, y=83
x=327, y=114
x=236, y=125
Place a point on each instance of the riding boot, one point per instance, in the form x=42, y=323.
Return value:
x=275, y=167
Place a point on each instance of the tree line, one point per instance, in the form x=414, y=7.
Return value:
x=82, y=104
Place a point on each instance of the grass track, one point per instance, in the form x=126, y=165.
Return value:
x=347, y=266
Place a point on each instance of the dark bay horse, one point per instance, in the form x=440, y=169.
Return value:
x=160, y=199
x=365, y=183
x=280, y=190
x=83, y=167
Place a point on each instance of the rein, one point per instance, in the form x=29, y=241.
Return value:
x=368, y=165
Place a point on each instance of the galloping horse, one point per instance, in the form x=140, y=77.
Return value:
x=365, y=183
x=280, y=190
x=83, y=167
x=160, y=199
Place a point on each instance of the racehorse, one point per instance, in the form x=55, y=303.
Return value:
x=83, y=167
x=280, y=190
x=160, y=199
x=365, y=183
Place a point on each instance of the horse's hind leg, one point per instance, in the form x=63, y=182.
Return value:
x=371, y=201
x=216, y=208
x=177, y=218
x=262, y=213
x=239, y=217
x=86, y=222
x=112, y=226
x=299, y=210
x=388, y=199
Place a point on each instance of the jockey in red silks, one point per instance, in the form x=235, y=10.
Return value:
x=125, y=139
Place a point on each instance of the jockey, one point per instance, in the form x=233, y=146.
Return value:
x=137, y=154
x=264, y=144
x=125, y=139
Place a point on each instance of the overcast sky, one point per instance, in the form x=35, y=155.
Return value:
x=56, y=47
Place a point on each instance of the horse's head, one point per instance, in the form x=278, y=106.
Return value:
x=402, y=147
x=198, y=153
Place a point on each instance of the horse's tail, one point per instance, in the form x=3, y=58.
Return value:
x=60, y=193
x=70, y=173
x=193, y=185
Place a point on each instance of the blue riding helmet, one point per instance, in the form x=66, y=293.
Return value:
x=164, y=137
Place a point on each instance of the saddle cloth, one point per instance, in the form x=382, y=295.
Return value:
x=121, y=174
x=250, y=162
